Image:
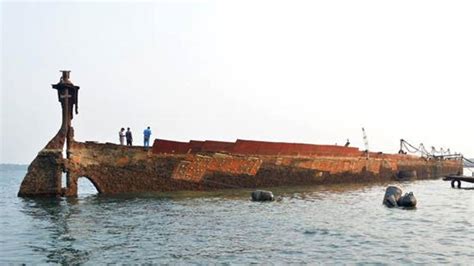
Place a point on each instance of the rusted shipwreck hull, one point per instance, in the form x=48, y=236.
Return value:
x=206, y=165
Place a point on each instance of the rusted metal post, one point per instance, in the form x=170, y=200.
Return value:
x=67, y=96
x=44, y=176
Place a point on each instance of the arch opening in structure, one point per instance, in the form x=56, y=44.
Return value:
x=86, y=187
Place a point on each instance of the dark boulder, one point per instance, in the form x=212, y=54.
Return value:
x=392, y=195
x=393, y=198
x=262, y=195
x=407, y=200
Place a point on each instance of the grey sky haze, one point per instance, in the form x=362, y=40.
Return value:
x=294, y=71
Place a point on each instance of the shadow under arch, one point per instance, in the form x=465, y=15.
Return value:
x=87, y=185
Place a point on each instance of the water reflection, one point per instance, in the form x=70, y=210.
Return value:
x=55, y=240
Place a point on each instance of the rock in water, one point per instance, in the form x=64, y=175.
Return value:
x=408, y=200
x=262, y=195
x=392, y=196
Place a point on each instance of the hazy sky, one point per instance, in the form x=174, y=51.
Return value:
x=294, y=71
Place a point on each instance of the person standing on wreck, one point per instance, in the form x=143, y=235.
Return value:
x=146, y=137
x=122, y=135
x=129, y=137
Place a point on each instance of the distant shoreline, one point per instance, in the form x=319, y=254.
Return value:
x=12, y=166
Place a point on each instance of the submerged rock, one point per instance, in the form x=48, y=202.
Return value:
x=407, y=200
x=393, y=198
x=262, y=195
x=392, y=195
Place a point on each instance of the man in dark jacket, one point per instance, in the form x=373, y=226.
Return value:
x=128, y=136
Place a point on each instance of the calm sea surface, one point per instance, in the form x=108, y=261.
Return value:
x=326, y=224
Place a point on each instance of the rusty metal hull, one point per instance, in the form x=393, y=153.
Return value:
x=117, y=169
x=205, y=165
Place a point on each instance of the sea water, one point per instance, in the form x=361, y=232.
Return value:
x=322, y=224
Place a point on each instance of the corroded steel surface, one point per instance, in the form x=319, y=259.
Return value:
x=251, y=147
x=121, y=169
x=195, y=167
x=169, y=146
